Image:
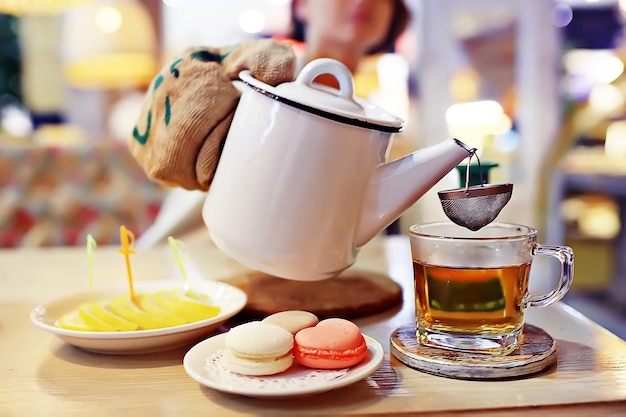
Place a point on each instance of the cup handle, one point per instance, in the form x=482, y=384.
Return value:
x=565, y=255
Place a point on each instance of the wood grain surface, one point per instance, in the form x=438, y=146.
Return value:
x=41, y=376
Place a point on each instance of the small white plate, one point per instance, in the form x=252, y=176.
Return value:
x=202, y=363
x=230, y=300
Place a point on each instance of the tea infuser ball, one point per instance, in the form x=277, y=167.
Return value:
x=475, y=206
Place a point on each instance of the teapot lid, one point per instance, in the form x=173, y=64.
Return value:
x=340, y=105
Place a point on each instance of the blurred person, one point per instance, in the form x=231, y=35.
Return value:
x=345, y=30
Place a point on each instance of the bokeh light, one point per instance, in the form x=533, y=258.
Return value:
x=606, y=98
x=252, y=21
x=109, y=19
x=615, y=142
x=562, y=15
x=598, y=66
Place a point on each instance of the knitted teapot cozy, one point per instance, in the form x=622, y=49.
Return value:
x=189, y=106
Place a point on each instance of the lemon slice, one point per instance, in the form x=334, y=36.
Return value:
x=147, y=303
x=94, y=322
x=146, y=311
x=102, y=311
x=123, y=306
x=72, y=321
x=188, y=308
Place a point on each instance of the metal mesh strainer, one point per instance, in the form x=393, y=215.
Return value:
x=474, y=207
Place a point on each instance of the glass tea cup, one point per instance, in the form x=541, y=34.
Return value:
x=471, y=288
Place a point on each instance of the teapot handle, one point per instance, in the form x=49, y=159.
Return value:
x=328, y=66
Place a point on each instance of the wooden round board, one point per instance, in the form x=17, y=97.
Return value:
x=537, y=352
x=352, y=294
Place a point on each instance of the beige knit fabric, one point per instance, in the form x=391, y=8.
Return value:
x=189, y=106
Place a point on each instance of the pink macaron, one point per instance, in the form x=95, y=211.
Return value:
x=333, y=343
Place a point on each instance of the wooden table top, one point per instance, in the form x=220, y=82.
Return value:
x=41, y=376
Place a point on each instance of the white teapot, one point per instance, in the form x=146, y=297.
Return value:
x=303, y=182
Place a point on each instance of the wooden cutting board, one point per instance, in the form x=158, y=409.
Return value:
x=352, y=294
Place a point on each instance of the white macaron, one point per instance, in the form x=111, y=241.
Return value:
x=258, y=348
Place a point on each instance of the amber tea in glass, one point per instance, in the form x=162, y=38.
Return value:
x=471, y=288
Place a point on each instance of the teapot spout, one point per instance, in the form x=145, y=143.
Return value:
x=397, y=185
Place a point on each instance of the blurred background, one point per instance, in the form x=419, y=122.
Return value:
x=537, y=86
